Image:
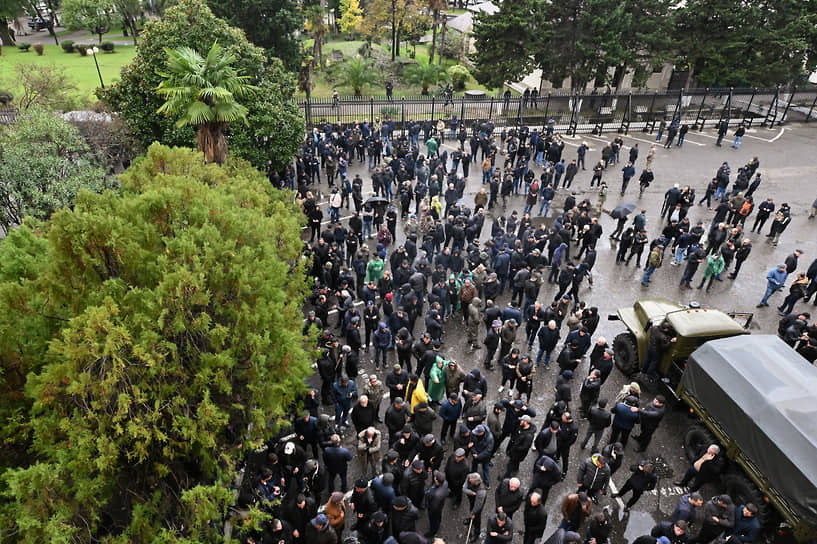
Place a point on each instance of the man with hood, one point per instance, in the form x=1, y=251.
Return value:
x=454, y=377
x=475, y=490
x=593, y=476
x=413, y=483
x=319, y=531
x=472, y=322
x=482, y=450
x=492, y=343
x=422, y=418
x=474, y=382
x=434, y=502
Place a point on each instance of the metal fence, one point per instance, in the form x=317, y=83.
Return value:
x=573, y=113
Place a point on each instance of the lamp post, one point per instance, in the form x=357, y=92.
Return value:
x=94, y=51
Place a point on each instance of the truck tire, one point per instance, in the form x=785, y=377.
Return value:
x=696, y=439
x=743, y=491
x=626, y=353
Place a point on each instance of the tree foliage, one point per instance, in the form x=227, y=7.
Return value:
x=159, y=333
x=43, y=86
x=408, y=19
x=746, y=43
x=204, y=92
x=44, y=163
x=425, y=75
x=503, y=43
x=352, y=19
x=94, y=16
x=271, y=24
x=357, y=73
x=191, y=23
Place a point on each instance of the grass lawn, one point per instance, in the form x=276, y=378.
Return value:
x=80, y=69
x=323, y=87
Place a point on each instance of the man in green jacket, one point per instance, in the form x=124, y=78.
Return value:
x=374, y=270
x=714, y=266
x=431, y=146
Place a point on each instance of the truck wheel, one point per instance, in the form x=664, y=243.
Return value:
x=696, y=439
x=743, y=491
x=626, y=353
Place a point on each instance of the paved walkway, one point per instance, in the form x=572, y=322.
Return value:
x=80, y=36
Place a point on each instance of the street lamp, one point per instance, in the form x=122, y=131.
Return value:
x=94, y=51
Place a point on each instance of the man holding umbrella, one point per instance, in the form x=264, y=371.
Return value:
x=621, y=212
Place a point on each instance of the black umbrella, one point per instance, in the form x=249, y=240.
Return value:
x=622, y=210
x=380, y=201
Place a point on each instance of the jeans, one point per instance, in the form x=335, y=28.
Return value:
x=770, y=290
x=596, y=434
x=486, y=469
x=737, y=142
x=367, y=228
x=379, y=355
x=544, y=205
x=647, y=274
x=546, y=354
x=679, y=254
x=527, y=208
x=539, y=156
x=342, y=480
x=486, y=177
x=334, y=213
x=681, y=139
x=651, y=362
x=659, y=135
x=720, y=193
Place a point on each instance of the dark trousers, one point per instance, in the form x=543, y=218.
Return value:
x=435, y=517
x=448, y=427
x=596, y=434
x=563, y=453
x=636, y=493
x=644, y=438
x=342, y=475
x=531, y=536
x=617, y=434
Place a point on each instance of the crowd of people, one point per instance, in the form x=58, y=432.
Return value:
x=431, y=431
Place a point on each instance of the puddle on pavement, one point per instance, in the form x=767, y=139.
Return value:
x=636, y=524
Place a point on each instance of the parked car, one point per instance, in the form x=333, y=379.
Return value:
x=39, y=23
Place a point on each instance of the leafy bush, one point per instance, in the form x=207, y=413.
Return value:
x=388, y=111
x=24, y=47
x=5, y=97
x=67, y=46
x=459, y=74
x=454, y=46
x=39, y=48
x=107, y=47
x=82, y=48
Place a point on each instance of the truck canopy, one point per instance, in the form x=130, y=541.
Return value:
x=763, y=393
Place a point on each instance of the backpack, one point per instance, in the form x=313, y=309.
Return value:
x=746, y=208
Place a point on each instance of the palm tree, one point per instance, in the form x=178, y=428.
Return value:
x=316, y=25
x=204, y=91
x=357, y=73
x=425, y=75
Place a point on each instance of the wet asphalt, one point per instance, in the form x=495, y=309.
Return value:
x=789, y=172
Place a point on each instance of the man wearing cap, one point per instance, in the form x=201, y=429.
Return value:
x=450, y=411
x=299, y=512
x=507, y=336
x=434, y=502
x=319, y=531
x=335, y=510
x=431, y=453
x=457, y=468
x=404, y=516
x=589, y=392
x=396, y=418
x=306, y=429
x=475, y=490
x=482, y=449
x=397, y=382
x=413, y=483
x=492, y=343
x=376, y=530
x=509, y=363
x=775, y=281
x=519, y=444
x=593, y=476
x=406, y=444
x=362, y=504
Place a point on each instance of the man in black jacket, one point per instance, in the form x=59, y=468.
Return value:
x=434, y=502
x=519, y=444
x=650, y=417
x=509, y=496
x=536, y=518
x=599, y=419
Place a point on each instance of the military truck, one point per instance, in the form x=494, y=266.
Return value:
x=751, y=394
x=755, y=396
x=691, y=325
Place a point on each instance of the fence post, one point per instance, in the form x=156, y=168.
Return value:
x=547, y=108
x=403, y=110
x=788, y=105
x=700, y=110
x=371, y=108
x=678, y=106
x=519, y=115
x=651, y=122
x=811, y=109
x=432, y=108
x=462, y=113
x=748, y=122
x=491, y=110
x=574, y=123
